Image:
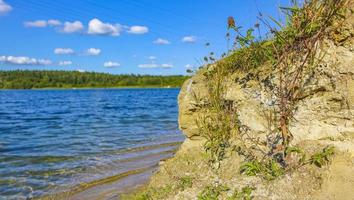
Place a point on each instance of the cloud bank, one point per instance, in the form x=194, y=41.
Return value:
x=111, y=64
x=97, y=27
x=23, y=60
x=94, y=27
x=93, y=52
x=153, y=65
x=64, y=51
x=138, y=30
x=4, y=7
x=161, y=41
x=72, y=27
x=189, y=39
x=65, y=63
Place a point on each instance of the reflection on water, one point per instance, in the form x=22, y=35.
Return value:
x=51, y=140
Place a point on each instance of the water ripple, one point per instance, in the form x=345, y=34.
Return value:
x=51, y=140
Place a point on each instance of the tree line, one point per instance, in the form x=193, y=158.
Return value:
x=31, y=79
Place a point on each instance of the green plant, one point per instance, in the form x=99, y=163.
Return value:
x=219, y=117
x=268, y=170
x=212, y=192
x=184, y=183
x=292, y=51
x=251, y=168
x=244, y=194
x=322, y=158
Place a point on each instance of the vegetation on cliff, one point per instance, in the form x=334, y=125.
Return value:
x=292, y=53
x=243, y=111
x=25, y=79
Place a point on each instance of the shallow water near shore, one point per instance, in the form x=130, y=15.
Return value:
x=52, y=141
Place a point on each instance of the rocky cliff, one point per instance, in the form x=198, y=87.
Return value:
x=323, y=116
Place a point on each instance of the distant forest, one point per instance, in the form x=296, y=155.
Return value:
x=26, y=79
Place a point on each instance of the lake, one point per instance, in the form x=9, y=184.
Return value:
x=53, y=140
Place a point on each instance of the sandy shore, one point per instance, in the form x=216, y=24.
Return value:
x=125, y=182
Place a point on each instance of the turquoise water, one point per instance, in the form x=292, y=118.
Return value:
x=52, y=140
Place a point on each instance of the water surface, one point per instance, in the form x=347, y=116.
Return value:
x=52, y=140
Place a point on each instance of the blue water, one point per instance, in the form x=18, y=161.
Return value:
x=51, y=140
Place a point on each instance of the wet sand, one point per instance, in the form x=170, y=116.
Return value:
x=140, y=170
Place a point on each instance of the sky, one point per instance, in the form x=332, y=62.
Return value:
x=158, y=37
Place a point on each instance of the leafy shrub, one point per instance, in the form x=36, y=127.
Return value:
x=268, y=170
x=322, y=158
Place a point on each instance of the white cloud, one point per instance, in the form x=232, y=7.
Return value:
x=97, y=27
x=189, y=66
x=189, y=39
x=54, y=22
x=138, y=30
x=148, y=65
x=93, y=52
x=23, y=60
x=64, y=51
x=44, y=62
x=166, y=66
x=36, y=24
x=81, y=70
x=4, y=7
x=153, y=65
x=161, y=41
x=73, y=27
x=42, y=23
x=65, y=63
x=152, y=57
x=111, y=64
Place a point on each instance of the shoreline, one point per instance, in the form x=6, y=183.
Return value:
x=96, y=88
x=126, y=182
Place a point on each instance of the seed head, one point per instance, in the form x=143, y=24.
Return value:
x=231, y=22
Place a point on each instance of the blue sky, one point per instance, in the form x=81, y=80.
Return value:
x=159, y=37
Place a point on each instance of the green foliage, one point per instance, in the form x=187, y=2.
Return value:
x=322, y=158
x=251, y=168
x=268, y=170
x=244, y=194
x=219, y=118
x=212, y=192
x=25, y=79
x=184, y=183
x=291, y=54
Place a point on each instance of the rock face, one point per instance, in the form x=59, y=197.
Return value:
x=325, y=111
x=324, y=115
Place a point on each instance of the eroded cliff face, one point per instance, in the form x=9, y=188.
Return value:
x=324, y=115
x=325, y=112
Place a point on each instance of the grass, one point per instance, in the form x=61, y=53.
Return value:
x=271, y=169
